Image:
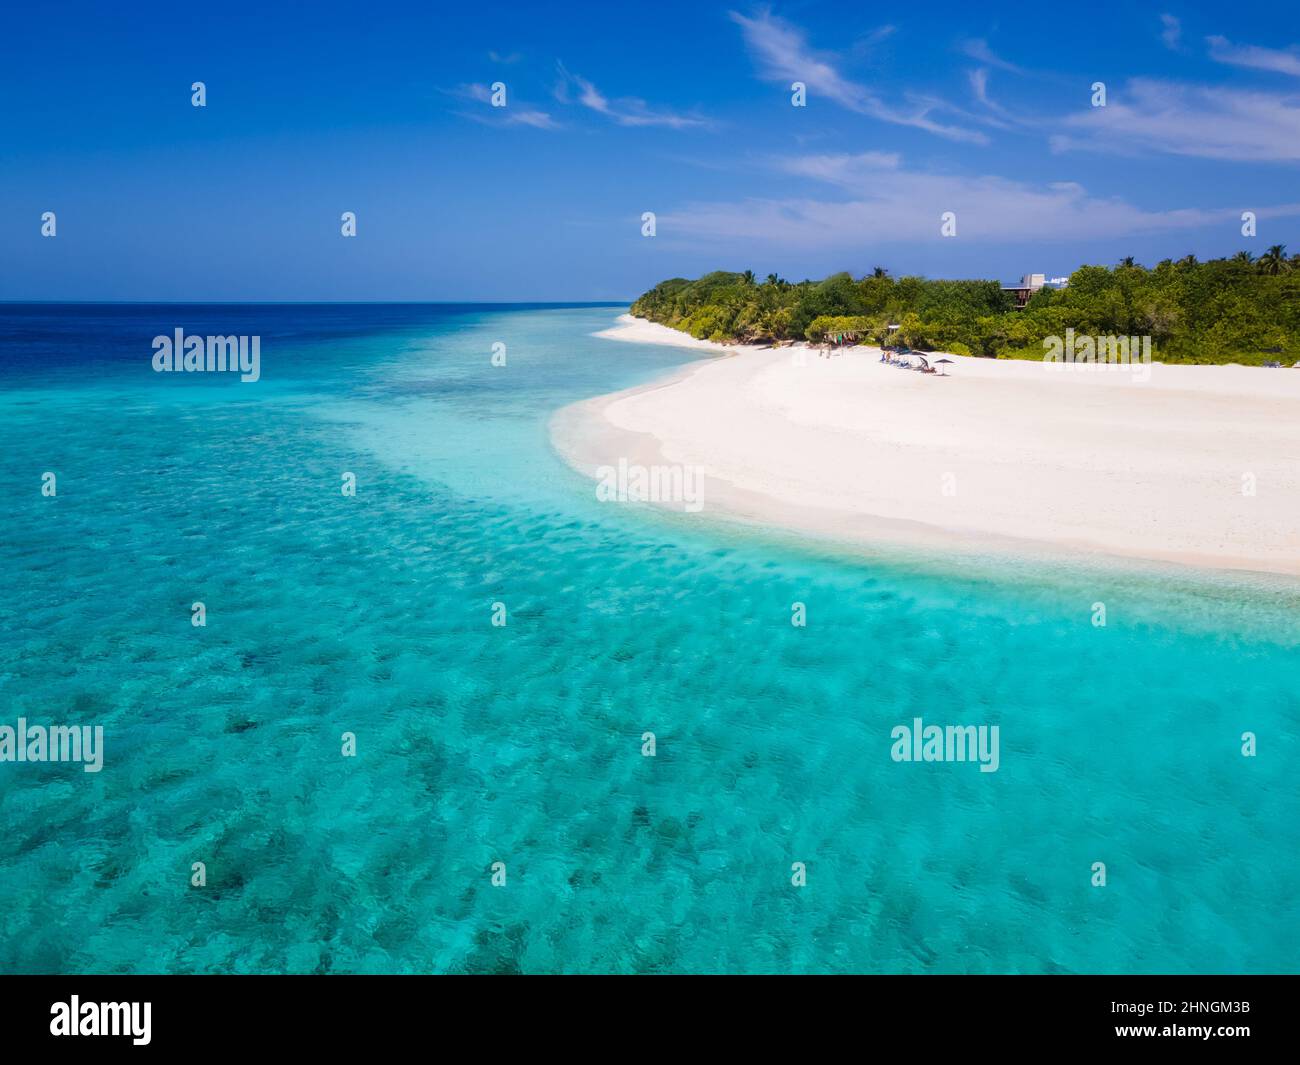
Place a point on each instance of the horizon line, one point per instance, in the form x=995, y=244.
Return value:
x=314, y=303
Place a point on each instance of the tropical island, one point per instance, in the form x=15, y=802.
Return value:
x=1159, y=459
x=1234, y=310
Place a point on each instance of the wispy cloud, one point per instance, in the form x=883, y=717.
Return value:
x=531, y=117
x=514, y=114
x=1172, y=33
x=1194, y=120
x=997, y=114
x=979, y=50
x=782, y=54
x=1279, y=60
x=504, y=57
x=888, y=202
x=840, y=168
x=626, y=111
x=864, y=47
x=979, y=83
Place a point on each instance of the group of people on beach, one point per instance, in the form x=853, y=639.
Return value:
x=904, y=359
x=834, y=347
x=898, y=356
x=893, y=356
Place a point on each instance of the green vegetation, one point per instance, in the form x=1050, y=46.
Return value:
x=1225, y=310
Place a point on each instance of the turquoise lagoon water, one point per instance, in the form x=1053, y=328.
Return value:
x=522, y=745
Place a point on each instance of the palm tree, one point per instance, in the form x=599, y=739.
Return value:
x=1128, y=262
x=879, y=271
x=1187, y=260
x=773, y=280
x=1243, y=257
x=747, y=278
x=1274, y=261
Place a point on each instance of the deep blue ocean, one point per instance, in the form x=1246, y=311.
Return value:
x=522, y=744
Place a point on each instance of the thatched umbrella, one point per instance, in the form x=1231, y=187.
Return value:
x=938, y=362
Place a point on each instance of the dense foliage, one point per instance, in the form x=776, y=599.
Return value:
x=1225, y=310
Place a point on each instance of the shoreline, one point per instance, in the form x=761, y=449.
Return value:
x=856, y=453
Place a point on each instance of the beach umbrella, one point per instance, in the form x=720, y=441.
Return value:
x=942, y=373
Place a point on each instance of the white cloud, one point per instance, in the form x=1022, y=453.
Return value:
x=997, y=115
x=628, y=111
x=1172, y=34
x=783, y=55
x=839, y=169
x=867, y=45
x=883, y=201
x=514, y=114
x=1204, y=121
x=529, y=117
x=979, y=50
x=1281, y=61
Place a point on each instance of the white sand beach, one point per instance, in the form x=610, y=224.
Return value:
x=997, y=453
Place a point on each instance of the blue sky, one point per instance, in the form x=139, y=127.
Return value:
x=612, y=110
